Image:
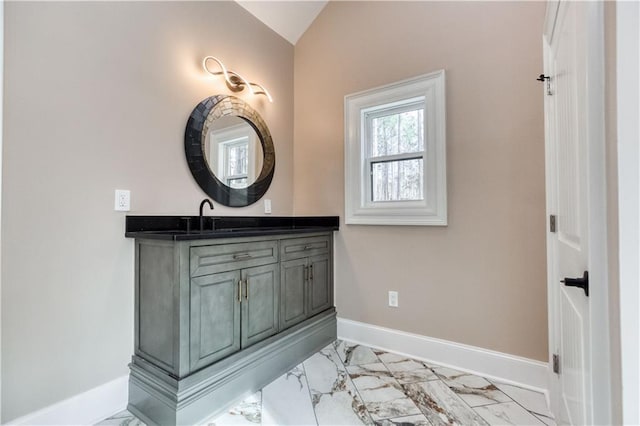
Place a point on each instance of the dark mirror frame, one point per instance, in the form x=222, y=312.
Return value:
x=198, y=125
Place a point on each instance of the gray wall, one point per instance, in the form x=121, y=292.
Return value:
x=97, y=96
x=482, y=279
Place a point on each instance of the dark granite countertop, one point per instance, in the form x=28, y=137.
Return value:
x=180, y=228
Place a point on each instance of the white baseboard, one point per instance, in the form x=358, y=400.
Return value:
x=87, y=408
x=511, y=369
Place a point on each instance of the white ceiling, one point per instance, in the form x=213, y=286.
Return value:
x=289, y=18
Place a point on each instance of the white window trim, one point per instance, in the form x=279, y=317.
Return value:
x=433, y=210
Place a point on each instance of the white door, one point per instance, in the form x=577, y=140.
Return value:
x=574, y=134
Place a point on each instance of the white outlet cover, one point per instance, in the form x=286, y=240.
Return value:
x=393, y=299
x=123, y=200
x=267, y=206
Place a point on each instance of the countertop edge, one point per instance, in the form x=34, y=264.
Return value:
x=181, y=228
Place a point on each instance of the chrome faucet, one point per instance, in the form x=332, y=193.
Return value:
x=205, y=201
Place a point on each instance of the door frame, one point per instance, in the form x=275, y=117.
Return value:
x=1, y=150
x=628, y=115
x=599, y=380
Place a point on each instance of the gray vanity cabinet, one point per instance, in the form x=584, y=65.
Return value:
x=293, y=306
x=307, y=282
x=235, y=309
x=230, y=311
x=216, y=319
x=320, y=284
x=259, y=303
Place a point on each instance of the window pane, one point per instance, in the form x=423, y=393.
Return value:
x=397, y=180
x=237, y=160
x=398, y=133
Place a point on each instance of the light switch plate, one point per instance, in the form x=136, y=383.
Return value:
x=123, y=200
x=267, y=206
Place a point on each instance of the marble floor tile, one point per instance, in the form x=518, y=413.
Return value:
x=474, y=390
x=418, y=420
x=441, y=405
x=248, y=413
x=406, y=370
x=287, y=401
x=340, y=408
x=382, y=395
x=123, y=418
x=507, y=413
x=546, y=420
x=326, y=373
x=533, y=401
x=354, y=354
x=391, y=358
x=388, y=402
x=370, y=376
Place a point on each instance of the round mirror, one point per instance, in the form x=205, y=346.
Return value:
x=229, y=151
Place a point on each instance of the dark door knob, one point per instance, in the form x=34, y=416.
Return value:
x=583, y=282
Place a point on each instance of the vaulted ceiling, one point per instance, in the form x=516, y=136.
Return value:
x=290, y=19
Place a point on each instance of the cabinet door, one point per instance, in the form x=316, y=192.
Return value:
x=293, y=306
x=215, y=318
x=260, y=295
x=320, y=284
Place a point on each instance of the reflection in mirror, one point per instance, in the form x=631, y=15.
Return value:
x=233, y=151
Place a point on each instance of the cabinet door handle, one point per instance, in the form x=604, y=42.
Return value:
x=306, y=273
x=239, y=290
x=241, y=256
x=246, y=289
x=310, y=272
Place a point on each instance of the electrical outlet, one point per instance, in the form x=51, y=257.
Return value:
x=267, y=206
x=123, y=200
x=393, y=299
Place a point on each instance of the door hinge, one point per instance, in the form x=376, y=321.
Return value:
x=556, y=363
x=547, y=79
x=552, y=223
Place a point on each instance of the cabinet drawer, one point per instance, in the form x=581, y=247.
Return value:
x=294, y=248
x=227, y=257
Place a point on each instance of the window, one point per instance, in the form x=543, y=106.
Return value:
x=233, y=153
x=234, y=157
x=395, y=171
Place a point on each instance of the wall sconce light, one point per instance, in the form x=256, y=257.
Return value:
x=235, y=82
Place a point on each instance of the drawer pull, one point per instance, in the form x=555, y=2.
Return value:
x=308, y=247
x=241, y=256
